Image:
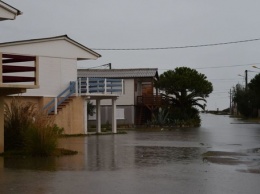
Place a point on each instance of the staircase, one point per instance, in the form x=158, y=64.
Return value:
x=62, y=105
x=59, y=102
x=84, y=86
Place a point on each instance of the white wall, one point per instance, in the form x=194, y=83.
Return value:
x=54, y=76
x=127, y=98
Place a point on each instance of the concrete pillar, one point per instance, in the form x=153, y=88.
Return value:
x=1, y=124
x=114, y=123
x=85, y=116
x=98, y=116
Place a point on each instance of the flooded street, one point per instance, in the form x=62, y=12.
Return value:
x=147, y=162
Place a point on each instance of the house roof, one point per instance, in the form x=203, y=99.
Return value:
x=19, y=47
x=7, y=12
x=119, y=73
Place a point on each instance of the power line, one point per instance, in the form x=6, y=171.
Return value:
x=178, y=47
x=216, y=67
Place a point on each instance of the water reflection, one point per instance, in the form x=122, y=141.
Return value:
x=101, y=155
x=158, y=155
x=31, y=163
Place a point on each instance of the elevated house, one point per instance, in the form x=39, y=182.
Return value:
x=140, y=99
x=44, y=71
x=59, y=92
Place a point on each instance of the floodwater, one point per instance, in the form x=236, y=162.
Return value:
x=145, y=162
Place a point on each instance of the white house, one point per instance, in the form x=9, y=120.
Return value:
x=139, y=99
x=58, y=89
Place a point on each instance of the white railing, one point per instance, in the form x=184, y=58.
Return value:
x=85, y=86
x=100, y=85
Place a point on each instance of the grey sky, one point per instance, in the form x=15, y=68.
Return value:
x=152, y=23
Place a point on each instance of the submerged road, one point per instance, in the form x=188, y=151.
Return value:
x=147, y=161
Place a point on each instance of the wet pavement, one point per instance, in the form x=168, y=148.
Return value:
x=221, y=156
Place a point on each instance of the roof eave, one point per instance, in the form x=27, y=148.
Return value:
x=62, y=37
x=11, y=9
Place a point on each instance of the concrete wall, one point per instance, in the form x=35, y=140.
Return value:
x=71, y=117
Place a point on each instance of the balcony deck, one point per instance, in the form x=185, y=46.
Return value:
x=18, y=73
x=158, y=100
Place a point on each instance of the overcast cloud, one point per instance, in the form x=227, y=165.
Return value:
x=152, y=23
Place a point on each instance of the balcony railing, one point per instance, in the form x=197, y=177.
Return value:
x=18, y=71
x=85, y=86
x=154, y=100
x=100, y=85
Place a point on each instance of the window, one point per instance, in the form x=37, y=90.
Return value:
x=120, y=113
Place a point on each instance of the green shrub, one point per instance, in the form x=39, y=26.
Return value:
x=41, y=137
x=18, y=117
x=30, y=130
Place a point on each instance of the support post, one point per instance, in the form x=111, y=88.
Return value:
x=86, y=116
x=1, y=124
x=122, y=87
x=36, y=73
x=105, y=86
x=76, y=88
x=79, y=86
x=98, y=116
x=87, y=85
x=114, y=122
x=55, y=106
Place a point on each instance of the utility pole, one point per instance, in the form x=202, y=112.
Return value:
x=230, y=105
x=246, y=78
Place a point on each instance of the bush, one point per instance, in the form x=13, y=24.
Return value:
x=187, y=117
x=18, y=117
x=30, y=130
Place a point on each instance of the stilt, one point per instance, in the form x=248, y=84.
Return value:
x=114, y=123
x=98, y=116
x=86, y=116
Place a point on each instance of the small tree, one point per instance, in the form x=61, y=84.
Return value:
x=248, y=99
x=254, y=88
x=188, y=87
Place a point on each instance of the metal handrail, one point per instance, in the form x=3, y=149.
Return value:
x=53, y=104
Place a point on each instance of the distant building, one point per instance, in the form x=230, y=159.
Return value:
x=139, y=99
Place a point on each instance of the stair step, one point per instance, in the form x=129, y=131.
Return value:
x=63, y=104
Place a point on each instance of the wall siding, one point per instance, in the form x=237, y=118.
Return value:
x=107, y=117
x=55, y=75
x=127, y=98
